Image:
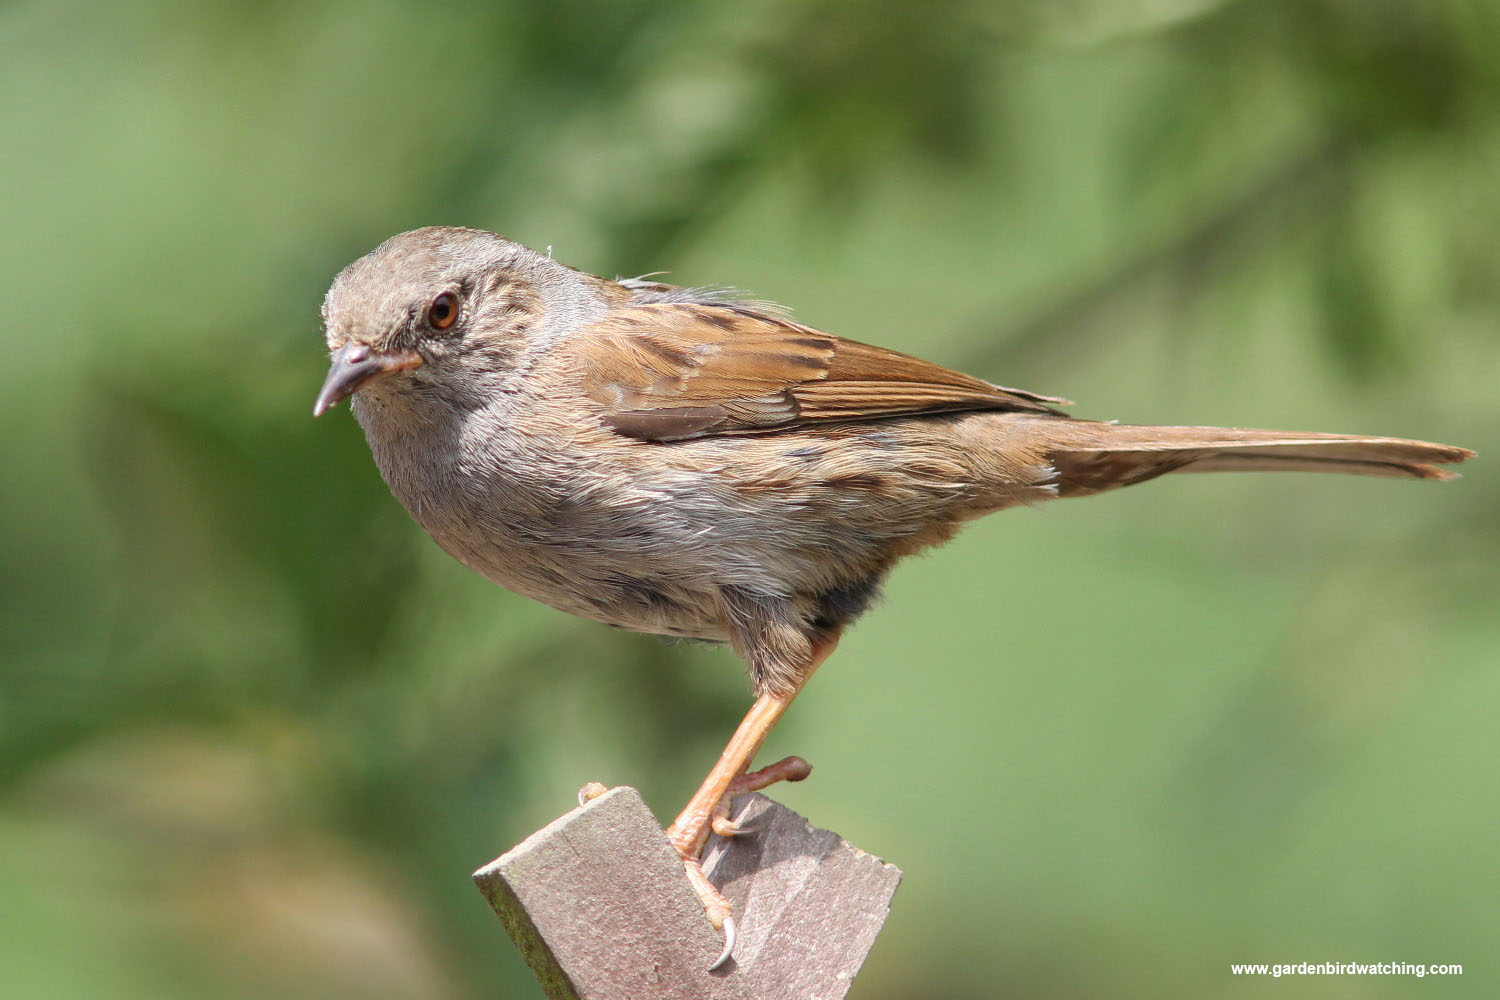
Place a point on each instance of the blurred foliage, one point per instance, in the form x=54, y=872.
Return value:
x=255, y=730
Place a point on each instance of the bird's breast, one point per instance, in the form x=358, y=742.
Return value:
x=521, y=504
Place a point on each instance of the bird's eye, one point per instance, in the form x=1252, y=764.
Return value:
x=443, y=311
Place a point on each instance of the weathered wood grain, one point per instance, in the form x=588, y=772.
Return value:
x=599, y=906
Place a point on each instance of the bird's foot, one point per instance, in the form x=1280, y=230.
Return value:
x=719, y=911
x=689, y=835
x=786, y=769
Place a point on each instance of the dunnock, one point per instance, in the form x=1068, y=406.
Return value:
x=678, y=461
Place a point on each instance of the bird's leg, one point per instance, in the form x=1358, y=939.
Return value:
x=689, y=831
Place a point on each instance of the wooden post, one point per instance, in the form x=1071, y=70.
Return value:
x=599, y=905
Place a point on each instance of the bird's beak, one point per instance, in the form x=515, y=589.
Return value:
x=356, y=365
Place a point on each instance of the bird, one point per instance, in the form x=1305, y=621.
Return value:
x=690, y=462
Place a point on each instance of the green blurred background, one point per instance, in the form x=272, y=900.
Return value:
x=255, y=730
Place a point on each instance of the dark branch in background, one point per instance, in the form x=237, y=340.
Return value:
x=1302, y=190
x=1376, y=77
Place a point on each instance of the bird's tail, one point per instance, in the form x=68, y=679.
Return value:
x=1093, y=457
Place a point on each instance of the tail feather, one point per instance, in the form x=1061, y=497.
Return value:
x=1093, y=457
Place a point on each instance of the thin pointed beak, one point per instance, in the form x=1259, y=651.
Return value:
x=356, y=365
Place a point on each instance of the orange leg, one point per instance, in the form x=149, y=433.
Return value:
x=707, y=809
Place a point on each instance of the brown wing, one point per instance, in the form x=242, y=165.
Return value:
x=671, y=371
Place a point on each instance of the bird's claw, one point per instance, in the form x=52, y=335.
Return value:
x=730, y=935
x=719, y=910
x=689, y=834
x=590, y=792
x=726, y=827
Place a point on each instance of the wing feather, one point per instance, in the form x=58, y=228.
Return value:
x=669, y=371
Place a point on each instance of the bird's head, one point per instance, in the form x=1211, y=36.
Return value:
x=440, y=312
